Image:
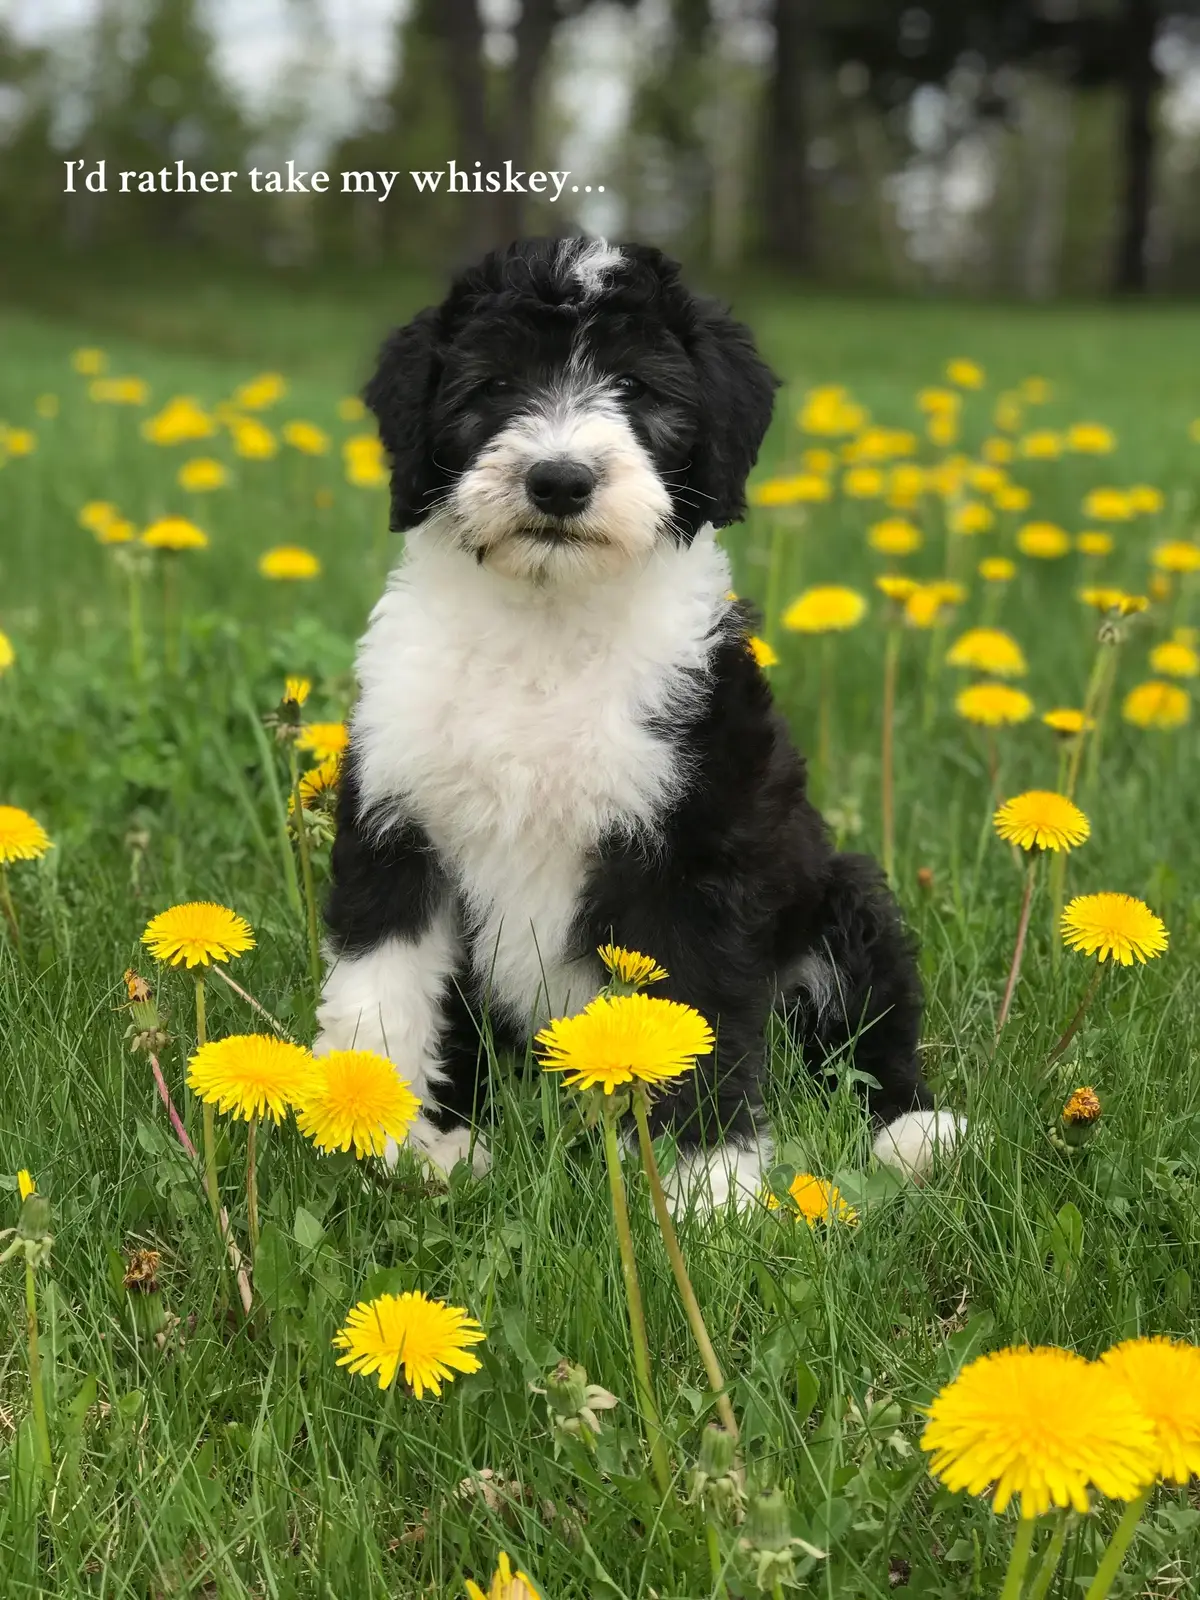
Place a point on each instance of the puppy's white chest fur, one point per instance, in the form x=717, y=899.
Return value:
x=515, y=725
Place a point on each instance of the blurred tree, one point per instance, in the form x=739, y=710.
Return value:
x=31, y=177
x=788, y=211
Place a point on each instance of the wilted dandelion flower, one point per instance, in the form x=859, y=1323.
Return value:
x=1043, y=1425
x=1107, y=505
x=630, y=966
x=894, y=536
x=988, y=650
x=505, y=1585
x=1083, y=1106
x=355, y=1099
x=1094, y=543
x=622, y=1039
x=826, y=609
x=1175, y=660
x=174, y=533
x=762, y=652
x=1177, y=555
x=815, y=1200
x=324, y=739
x=1044, y=541
x=1040, y=819
x=197, y=933
x=1163, y=1376
x=289, y=562
x=997, y=569
x=427, y=1340
x=306, y=437
x=993, y=705
x=1091, y=439
x=1115, y=926
x=1042, y=445
x=249, y=1075
x=1068, y=722
x=1157, y=704
x=202, y=474
x=22, y=837
x=964, y=374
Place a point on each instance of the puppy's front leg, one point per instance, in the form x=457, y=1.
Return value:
x=394, y=949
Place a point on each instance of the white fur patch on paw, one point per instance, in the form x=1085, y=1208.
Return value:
x=442, y=1151
x=911, y=1143
x=705, y=1181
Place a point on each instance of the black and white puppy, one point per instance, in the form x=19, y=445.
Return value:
x=562, y=738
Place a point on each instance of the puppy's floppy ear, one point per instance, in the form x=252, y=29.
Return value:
x=737, y=395
x=400, y=394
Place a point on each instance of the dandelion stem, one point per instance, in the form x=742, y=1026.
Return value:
x=1090, y=697
x=1048, y=1565
x=1072, y=1027
x=637, y=1316
x=1019, y=1559
x=891, y=659
x=208, y=1118
x=771, y=606
x=306, y=874
x=712, y=1367
x=1014, y=971
x=1117, y=1546
x=37, y=1394
x=252, y=1187
x=170, y=605
x=137, y=637
x=1104, y=700
x=1058, y=890
x=10, y=911
x=713, y=1540
x=933, y=662
x=825, y=715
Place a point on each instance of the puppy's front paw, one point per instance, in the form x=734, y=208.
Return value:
x=705, y=1181
x=911, y=1143
x=443, y=1151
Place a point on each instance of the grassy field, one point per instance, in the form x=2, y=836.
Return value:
x=239, y=1460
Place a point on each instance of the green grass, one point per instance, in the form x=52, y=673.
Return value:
x=240, y=1460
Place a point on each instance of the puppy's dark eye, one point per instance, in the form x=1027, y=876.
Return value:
x=498, y=386
x=628, y=386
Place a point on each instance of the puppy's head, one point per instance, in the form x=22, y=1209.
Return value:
x=568, y=406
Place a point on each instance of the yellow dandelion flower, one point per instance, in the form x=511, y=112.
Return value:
x=18, y=441
x=297, y=690
x=829, y=411
x=827, y=609
x=630, y=966
x=1040, y=819
x=928, y=603
x=897, y=588
x=1175, y=660
x=174, y=533
x=1177, y=555
x=942, y=429
x=1036, y=391
x=933, y=400
x=119, y=391
x=324, y=739
x=427, y=1340
x=987, y=479
x=804, y=487
x=1041, y=445
x=351, y=409
x=624, y=1039
x=1091, y=439
x=250, y=1075
x=964, y=374
x=997, y=569
x=894, y=536
x=1107, y=505
x=1115, y=926
x=1092, y=542
x=1163, y=1376
x=253, y=440
x=999, y=452
x=197, y=933
x=822, y=462
x=89, y=362
x=1043, y=1425
x=22, y=838
x=260, y=392
x=318, y=784
x=1145, y=498
x=1007, y=413
x=971, y=517
x=906, y=484
x=762, y=652
x=505, y=1585
x=1109, y=600
x=1068, y=722
x=355, y=1099
x=181, y=420
x=97, y=514
x=993, y=705
x=1156, y=704
x=365, y=462
x=1043, y=541
x=289, y=562
x=988, y=650
x=202, y=474
x=7, y=654
x=25, y=1185
x=815, y=1200
x=118, y=531
x=1012, y=497
x=1083, y=1106
x=863, y=483
x=306, y=437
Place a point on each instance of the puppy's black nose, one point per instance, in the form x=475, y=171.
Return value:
x=560, y=488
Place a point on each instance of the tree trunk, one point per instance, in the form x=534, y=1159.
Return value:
x=787, y=204
x=532, y=36
x=1140, y=80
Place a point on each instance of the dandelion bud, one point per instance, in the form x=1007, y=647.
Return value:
x=1080, y=1116
x=33, y=1224
x=717, y=1450
x=717, y=1481
x=566, y=1389
x=768, y=1522
x=574, y=1403
x=925, y=879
